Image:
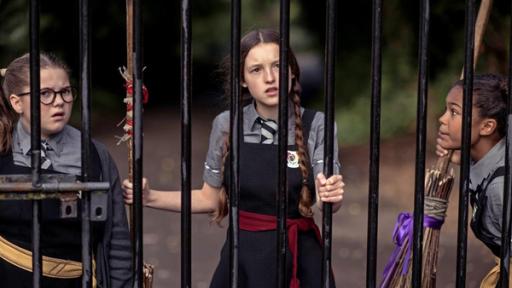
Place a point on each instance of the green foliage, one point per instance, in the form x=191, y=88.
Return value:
x=211, y=39
x=400, y=69
x=13, y=30
x=398, y=102
x=211, y=25
x=104, y=103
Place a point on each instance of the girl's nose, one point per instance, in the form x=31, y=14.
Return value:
x=269, y=75
x=442, y=118
x=58, y=99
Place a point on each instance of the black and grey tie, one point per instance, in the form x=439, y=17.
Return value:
x=46, y=163
x=268, y=130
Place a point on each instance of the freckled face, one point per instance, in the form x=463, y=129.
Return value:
x=450, y=129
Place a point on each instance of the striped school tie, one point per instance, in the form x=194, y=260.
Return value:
x=46, y=163
x=268, y=130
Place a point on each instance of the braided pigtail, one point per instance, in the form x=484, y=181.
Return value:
x=305, y=201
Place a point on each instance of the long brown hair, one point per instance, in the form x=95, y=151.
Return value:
x=250, y=40
x=16, y=78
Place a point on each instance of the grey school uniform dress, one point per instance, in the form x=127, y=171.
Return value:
x=258, y=180
x=60, y=238
x=487, y=184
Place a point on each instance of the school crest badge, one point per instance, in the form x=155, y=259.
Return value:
x=293, y=159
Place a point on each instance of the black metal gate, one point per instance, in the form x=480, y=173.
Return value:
x=37, y=186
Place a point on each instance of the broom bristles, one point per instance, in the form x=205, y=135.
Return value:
x=438, y=184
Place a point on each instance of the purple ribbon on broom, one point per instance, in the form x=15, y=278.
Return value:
x=404, y=230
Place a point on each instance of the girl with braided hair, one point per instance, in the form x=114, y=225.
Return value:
x=258, y=173
x=488, y=131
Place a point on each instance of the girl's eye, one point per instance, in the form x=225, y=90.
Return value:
x=454, y=112
x=66, y=91
x=276, y=65
x=46, y=93
x=255, y=70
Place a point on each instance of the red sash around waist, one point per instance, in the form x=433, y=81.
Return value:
x=250, y=221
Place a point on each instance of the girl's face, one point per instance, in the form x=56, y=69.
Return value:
x=54, y=116
x=261, y=75
x=450, y=129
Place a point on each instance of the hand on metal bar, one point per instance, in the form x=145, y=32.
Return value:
x=330, y=190
x=204, y=200
x=128, y=191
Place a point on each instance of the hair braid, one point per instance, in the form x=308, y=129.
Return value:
x=305, y=201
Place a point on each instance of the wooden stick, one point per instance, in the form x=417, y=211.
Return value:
x=481, y=22
x=148, y=269
x=128, y=74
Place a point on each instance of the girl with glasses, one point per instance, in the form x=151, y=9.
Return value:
x=60, y=153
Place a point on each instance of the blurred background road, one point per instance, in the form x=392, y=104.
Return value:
x=162, y=229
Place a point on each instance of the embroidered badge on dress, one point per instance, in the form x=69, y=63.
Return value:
x=293, y=159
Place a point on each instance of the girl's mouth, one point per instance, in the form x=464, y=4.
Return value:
x=272, y=91
x=58, y=115
x=442, y=135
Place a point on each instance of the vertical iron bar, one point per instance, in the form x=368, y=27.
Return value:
x=186, y=93
x=282, y=192
x=421, y=125
x=373, y=193
x=85, y=84
x=35, y=134
x=235, y=130
x=137, y=144
x=462, y=233
x=507, y=200
x=329, y=84
x=36, y=240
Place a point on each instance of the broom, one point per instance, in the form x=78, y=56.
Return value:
x=127, y=72
x=438, y=185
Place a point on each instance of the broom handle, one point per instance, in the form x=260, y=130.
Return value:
x=443, y=163
x=129, y=73
x=147, y=269
x=481, y=22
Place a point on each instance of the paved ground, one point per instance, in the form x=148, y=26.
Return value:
x=162, y=229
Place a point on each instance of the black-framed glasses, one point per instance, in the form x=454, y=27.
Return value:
x=48, y=95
